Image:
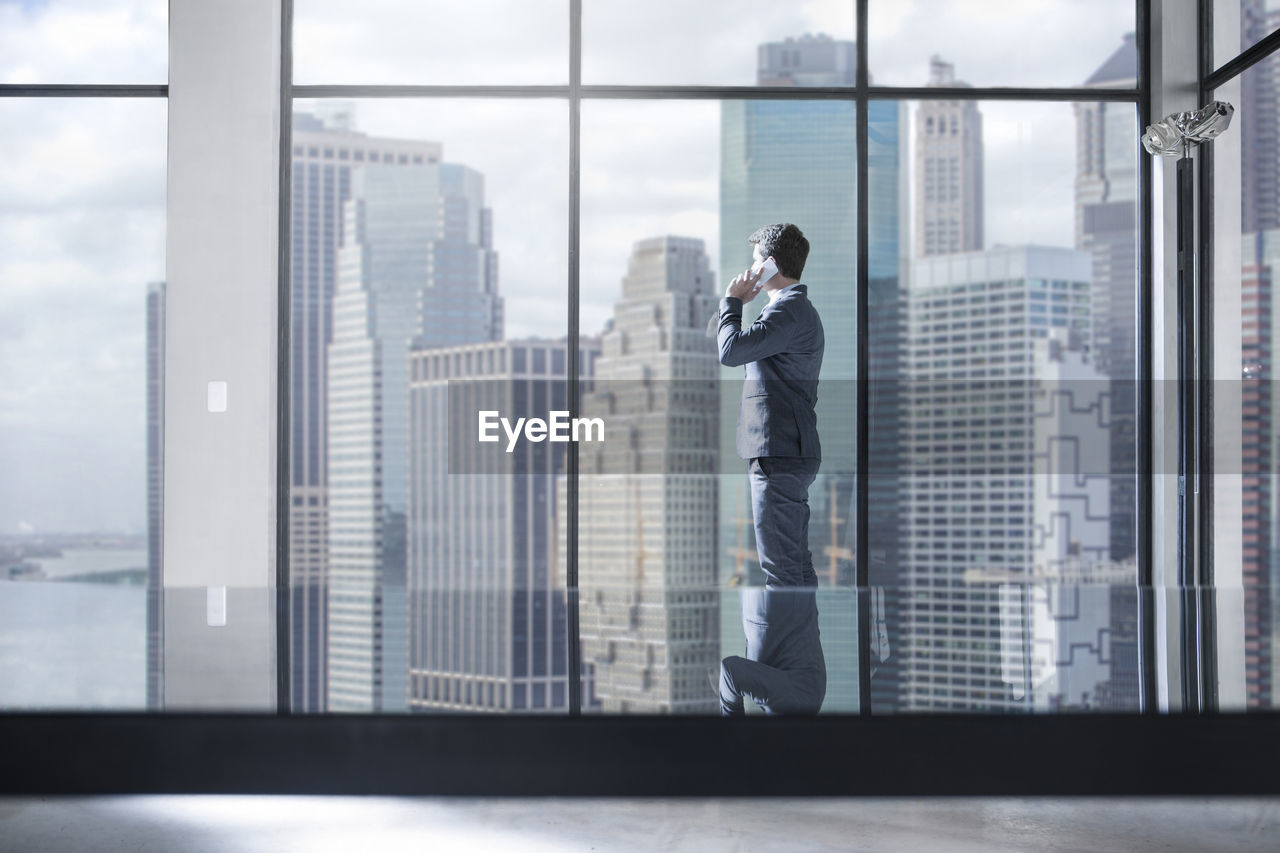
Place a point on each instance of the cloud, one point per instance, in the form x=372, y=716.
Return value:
x=85, y=41
x=82, y=185
x=995, y=43
x=389, y=41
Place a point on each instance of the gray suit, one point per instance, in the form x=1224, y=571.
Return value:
x=784, y=670
x=782, y=351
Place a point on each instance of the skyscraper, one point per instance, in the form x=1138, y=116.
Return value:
x=326, y=148
x=1004, y=478
x=795, y=161
x=155, y=494
x=415, y=267
x=487, y=606
x=650, y=611
x=1259, y=117
x=949, y=199
x=1106, y=227
x=1259, y=124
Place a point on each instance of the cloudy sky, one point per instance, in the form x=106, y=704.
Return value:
x=82, y=181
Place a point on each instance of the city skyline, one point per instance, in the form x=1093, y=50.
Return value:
x=68, y=174
x=646, y=167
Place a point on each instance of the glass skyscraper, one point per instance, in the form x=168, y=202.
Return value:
x=415, y=268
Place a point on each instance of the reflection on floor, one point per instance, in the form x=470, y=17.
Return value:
x=212, y=824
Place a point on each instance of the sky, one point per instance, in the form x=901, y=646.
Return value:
x=82, y=181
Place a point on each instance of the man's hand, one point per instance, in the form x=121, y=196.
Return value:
x=745, y=286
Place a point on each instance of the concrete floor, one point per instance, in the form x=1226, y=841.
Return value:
x=213, y=824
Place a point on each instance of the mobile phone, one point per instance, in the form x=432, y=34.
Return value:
x=767, y=269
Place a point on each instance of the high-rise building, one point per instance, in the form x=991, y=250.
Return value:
x=487, y=606
x=1259, y=117
x=1106, y=227
x=1260, y=447
x=1004, y=480
x=155, y=494
x=949, y=199
x=795, y=161
x=650, y=610
x=326, y=148
x=810, y=60
x=415, y=268
x=1259, y=121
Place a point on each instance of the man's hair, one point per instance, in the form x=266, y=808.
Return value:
x=785, y=244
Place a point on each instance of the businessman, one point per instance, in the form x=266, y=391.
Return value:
x=783, y=671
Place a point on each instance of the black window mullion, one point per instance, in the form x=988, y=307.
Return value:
x=284, y=299
x=863, y=371
x=1147, y=682
x=1203, y=385
x=574, y=668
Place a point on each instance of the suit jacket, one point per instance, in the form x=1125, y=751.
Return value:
x=782, y=354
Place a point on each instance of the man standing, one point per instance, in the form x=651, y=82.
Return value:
x=784, y=670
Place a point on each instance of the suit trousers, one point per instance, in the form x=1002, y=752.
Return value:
x=776, y=691
x=780, y=507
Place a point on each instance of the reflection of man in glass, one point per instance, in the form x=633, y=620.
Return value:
x=783, y=671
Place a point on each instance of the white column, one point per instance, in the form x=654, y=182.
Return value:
x=220, y=466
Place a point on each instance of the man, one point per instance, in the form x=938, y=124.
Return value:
x=784, y=670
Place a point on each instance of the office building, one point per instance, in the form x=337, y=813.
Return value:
x=1259, y=115
x=326, y=148
x=487, y=605
x=949, y=191
x=1005, y=482
x=155, y=495
x=650, y=610
x=415, y=268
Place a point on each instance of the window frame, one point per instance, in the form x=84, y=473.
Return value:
x=264, y=752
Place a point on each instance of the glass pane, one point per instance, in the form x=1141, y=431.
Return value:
x=1002, y=426
x=431, y=43
x=671, y=570
x=1083, y=43
x=84, y=41
x=1240, y=24
x=1247, y=514
x=84, y=229
x=415, y=589
x=668, y=42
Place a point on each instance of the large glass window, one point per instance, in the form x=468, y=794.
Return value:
x=429, y=273
x=669, y=42
x=1003, y=487
x=1247, y=518
x=994, y=44
x=84, y=41
x=81, y=371
x=989, y=581
x=431, y=43
x=671, y=192
x=1240, y=24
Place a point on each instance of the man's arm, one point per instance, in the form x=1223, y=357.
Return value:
x=771, y=333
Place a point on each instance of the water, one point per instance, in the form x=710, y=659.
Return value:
x=72, y=646
x=88, y=561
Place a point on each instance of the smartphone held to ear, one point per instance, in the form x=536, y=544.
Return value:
x=767, y=269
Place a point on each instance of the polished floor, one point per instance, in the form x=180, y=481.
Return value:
x=214, y=824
